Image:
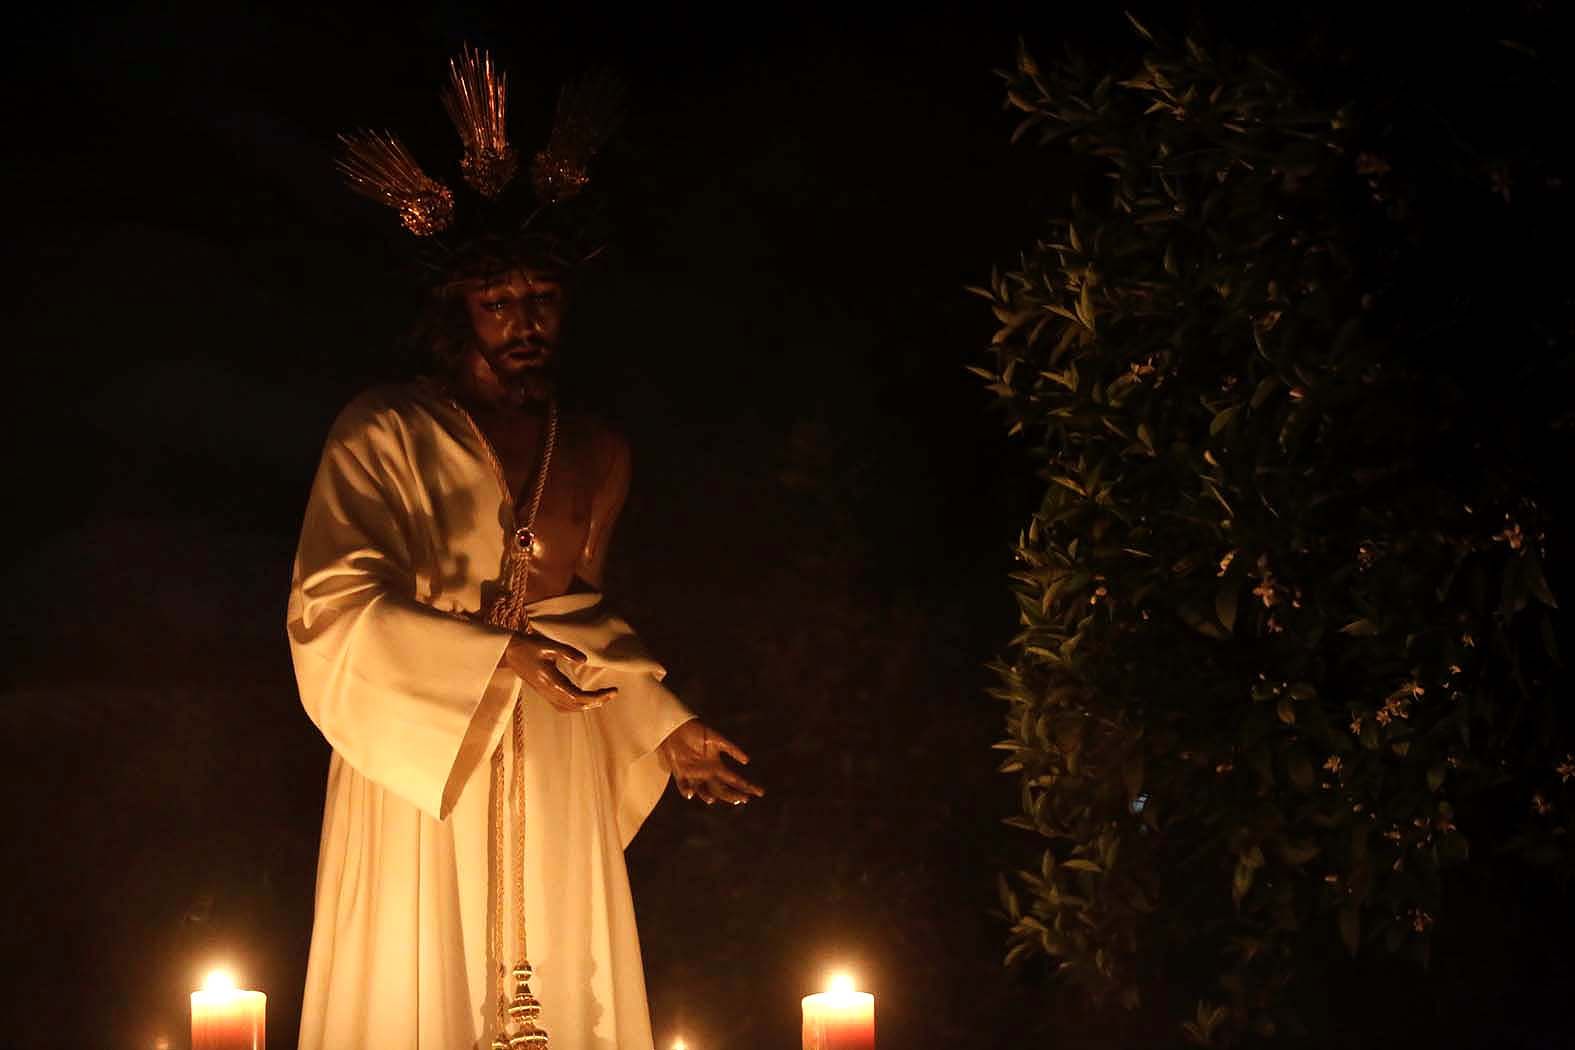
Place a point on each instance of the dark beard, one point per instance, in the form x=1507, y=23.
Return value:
x=537, y=384
x=540, y=384
x=532, y=384
x=524, y=388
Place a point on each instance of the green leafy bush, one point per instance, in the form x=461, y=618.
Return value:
x=1296, y=375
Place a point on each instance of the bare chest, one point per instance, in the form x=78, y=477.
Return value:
x=563, y=519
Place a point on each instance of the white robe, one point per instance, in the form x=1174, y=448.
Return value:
x=401, y=546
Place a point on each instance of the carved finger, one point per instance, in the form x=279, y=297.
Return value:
x=581, y=699
x=732, y=749
x=561, y=702
x=727, y=793
x=568, y=654
x=738, y=783
x=570, y=700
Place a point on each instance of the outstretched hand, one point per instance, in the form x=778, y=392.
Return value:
x=535, y=660
x=694, y=753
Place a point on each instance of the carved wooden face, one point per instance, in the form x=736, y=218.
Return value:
x=517, y=317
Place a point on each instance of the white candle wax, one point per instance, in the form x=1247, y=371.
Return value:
x=224, y=1017
x=841, y=1019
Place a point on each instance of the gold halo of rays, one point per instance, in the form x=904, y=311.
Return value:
x=379, y=167
x=477, y=103
x=588, y=112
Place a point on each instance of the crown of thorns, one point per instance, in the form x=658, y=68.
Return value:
x=377, y=165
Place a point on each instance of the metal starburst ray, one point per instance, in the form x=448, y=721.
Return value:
x=379, y=167
x=477, y=103
x=587, y=115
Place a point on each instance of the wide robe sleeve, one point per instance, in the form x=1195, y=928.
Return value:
x=410, y=696
x=639, y=718
x=633, y=726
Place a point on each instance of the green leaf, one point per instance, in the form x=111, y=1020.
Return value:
x=1009, y=901
x=1363, y=628
x=1299, y=852
x=1067, y=483
x=1222, y=419
x=1266, y=386
x=1085, y=308
x=1079, y=864
x=1141, y=30
x=1210, y=488
x=1025, y=60
x=1226, y=600
x=1247, y=865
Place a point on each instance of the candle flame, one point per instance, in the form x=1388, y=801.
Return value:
x=841, y=984
x=679, y=1044
x=219, y=981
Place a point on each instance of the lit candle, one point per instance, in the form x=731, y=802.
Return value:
x=839, y=1019
x=224, y=1017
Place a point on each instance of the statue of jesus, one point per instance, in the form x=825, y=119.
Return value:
x=498, y=734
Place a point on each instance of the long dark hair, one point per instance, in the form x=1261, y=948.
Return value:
x=441, y=335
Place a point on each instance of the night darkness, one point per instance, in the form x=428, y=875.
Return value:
x=816, y=545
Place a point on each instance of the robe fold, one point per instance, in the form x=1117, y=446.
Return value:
x=402, y=546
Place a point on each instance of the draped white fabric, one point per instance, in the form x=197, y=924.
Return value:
x=401, y=547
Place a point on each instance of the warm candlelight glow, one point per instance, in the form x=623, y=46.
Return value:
x=840, y=1018
x=224, y=1017
x=219, y=981
x=679, y=1044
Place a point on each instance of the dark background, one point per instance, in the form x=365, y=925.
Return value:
x=816, y=544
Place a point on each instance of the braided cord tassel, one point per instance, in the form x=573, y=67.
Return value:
x=524, y=1008
x=517, y=1013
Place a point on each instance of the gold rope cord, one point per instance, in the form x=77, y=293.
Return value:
x=495, y=805
x=517, y=1015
